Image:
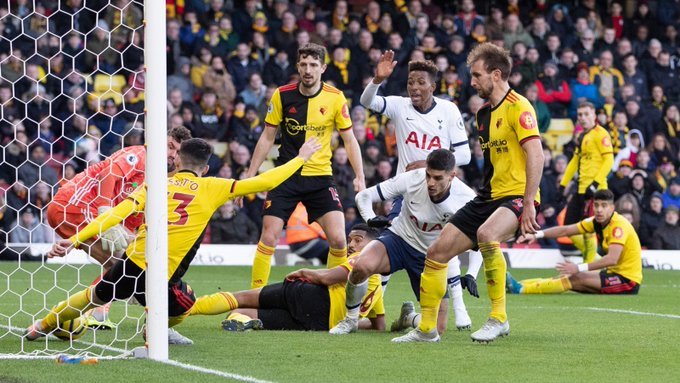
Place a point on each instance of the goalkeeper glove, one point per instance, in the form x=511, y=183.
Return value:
x=470, y=283
x=378, y=222
x=114, y=239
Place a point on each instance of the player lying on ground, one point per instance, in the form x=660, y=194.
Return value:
x=94, y=191
x=192, y=200
x=618, y=272
x=431, y=196
x=312, y=300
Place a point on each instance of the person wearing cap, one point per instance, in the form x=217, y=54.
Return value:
x=591, y=165
x=619, y=271
x=619, y=182
x=667, y=236
x=553, y=90
x=583, y=90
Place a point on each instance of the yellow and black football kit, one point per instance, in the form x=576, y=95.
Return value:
x=618, y=231
x=192, y=200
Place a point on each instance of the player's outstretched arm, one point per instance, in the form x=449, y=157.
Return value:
x=104, y=222
x=553, y=232
x=325, y=277
x=274, y=177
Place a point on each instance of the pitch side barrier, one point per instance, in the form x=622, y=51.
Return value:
x=242, y=255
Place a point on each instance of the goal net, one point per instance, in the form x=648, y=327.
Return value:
x=72, y=94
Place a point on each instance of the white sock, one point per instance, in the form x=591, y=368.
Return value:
x=453, y=280
x=384, y=279
x=474, y=263
x=413, y=319
x=354, y=295
x=101, y=313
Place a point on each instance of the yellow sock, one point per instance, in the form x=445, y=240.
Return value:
x=336, y=257
x=174, y=321
x=494, y=271
x=432, y=290
x=214, y=304
x=261, y=265
x=546, y=285
x=71, y=308
x=239, y=317
x=590, y=241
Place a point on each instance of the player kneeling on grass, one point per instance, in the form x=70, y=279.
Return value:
x=618, y=272
x=431, y=197
x=312, y=300
x=192, y=200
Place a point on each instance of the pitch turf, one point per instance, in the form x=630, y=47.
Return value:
x=553, y=338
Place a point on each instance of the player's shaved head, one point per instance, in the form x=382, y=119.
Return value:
x=441, y=159
x=195, y=153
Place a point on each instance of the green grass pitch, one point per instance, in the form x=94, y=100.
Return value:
x=553, y=338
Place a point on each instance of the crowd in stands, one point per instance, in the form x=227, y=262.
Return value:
x=72, y=88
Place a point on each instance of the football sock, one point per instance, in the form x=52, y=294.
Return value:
x=214, y=304
x=101, y=313
x=71, y=308
x=336, y=257
x=474, y=263
x=354, y=295
x=494, y=271
x=453, y=281
x=174, y=321
x=413, y=319
x=384, y=280
x=261, y=265
x=432, y=290
x=546, y=285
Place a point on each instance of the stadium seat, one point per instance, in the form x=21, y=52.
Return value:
x=558, y=134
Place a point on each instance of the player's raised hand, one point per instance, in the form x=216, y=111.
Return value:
x=385, y=66
x=60, y=248
x=528, y=222
x=308, y=149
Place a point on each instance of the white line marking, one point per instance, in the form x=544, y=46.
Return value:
x=204, y=370
x=600, y=309
x=126, y=353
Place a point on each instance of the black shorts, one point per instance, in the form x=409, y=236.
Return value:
x=294, y=305
x=317, y=193
x=473, y=215
x=125, y=280
x=576, y=209
x=612, y=283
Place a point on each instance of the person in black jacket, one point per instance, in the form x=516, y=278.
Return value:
x=667, y=236
x=230, y=227
x=652, y=219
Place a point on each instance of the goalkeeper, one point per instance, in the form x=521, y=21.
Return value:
x=192, y=200
x=94, y=191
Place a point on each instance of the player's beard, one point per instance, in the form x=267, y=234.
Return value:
x=171, y=165
x=484, y=92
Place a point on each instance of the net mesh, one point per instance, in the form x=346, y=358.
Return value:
x=71, y=95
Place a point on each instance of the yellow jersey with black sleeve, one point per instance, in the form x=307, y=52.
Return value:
x=371, y=304
x=618, y=231
x=592, y=160
x=301, y=117
x=192, y=200
x=502, y=131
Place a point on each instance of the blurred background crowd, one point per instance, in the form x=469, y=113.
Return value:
x=72, y=90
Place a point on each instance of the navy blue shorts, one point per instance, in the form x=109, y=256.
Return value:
x=404, y=257
x=396, y=208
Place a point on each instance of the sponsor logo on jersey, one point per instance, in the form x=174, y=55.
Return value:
x=606, y=142
x=617, y=232
x=345, y=111
x=293, y=127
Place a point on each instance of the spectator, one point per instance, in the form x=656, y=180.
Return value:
x=254, y=93
x=671, y=197
x=383, y=172
x=619, y=182
x=240, y=66
x=284, y=38
x=343, y=174
x=228, y=226
x=638, y=119
x=240, y=159
x=29, y=229
x=181, y=80
x=641, y=187
x=220, y=82
x=583, y=90
x=211, y=118
x=618, y=131
x=371, y=158
x=542, y=111
x=553, y=91
x=652, y=219
x=585, y=48
x=190, y=33
x=530, y=68
x=634, y=144
x=627, y=204
x=632, y=75
x=277, y=70
x=246, y=130
x=606, y=78
x=665, y=173
x=659, y=149
x=36, y=169
x=669, y=126
x=514, y=31
x=567, y=65
x=667, y=236
x=200, y=65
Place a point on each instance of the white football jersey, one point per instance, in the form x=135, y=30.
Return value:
x=420, y=133
x=421, y=219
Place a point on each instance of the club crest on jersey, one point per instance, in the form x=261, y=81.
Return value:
x=460, y=124
x=131, y=159
x=617, y=233
x=499, y=122
x=322, y=110
x=345, y=111
x=440, y=124
x=270, y=107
